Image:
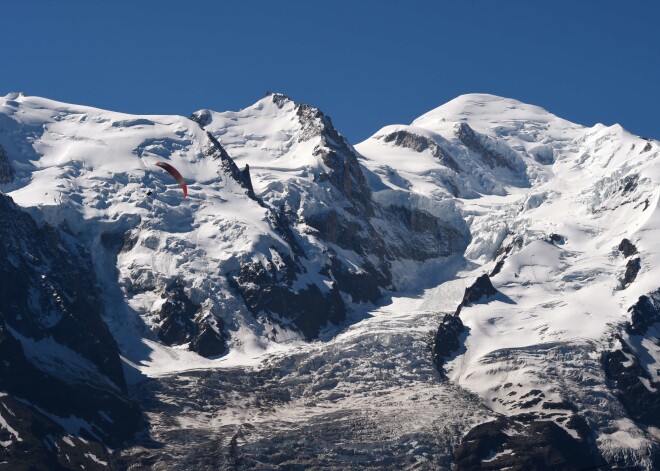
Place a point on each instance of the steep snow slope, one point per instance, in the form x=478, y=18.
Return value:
x=91, y=169
x=565, y=289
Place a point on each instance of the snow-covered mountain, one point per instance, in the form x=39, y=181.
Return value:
x=476, y=288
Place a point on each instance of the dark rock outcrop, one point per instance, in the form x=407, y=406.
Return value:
x=644, y=313
x=517, y=243
x=482, y=288
x=48, y=290
x=181, y=324
x=425, y=236
x=202, y=117
x=557, y=239
x=632, y=268
x=109, y=413
x=627, y=377
x=177, y=315
x=44, y=445
x=361, y=286
x=7, y=172
x=61, y=371
x=216, y=151
x=522, y=443
x=418, y=143
x=498, y=267
x=209, y=342
x=247, y=179
x=268, y=288
x=492, y=158
x=627, y=248
x=447, y=340
x=629, y=183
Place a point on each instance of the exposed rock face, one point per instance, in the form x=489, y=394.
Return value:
x=516, y=243
x=522, y=443
x=6, y=168
x=177, y=314
x=245, y=174
x=448, y=336
x=447, y=340
x=345, y=172
x=48, y=290
x=632, y=268
x=182, y=323
x=488, y=151
x=634, y=387
x=627, y=248
x=209, y=341
x=216, y=151
x=423, y=235
x=32, y=403
x=202, y=117
x=482, y=288
x=557, y=239
x=420, y=144
x=629, y=183
x=267, y=288
x=633, y=384
x=498, y=266
x=59, y=359
x=644, y=313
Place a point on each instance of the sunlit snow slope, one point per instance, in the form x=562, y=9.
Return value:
x=92, y=169
x=548, y=203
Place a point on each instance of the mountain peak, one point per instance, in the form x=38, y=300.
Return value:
x=279, y=99
x=486, y=111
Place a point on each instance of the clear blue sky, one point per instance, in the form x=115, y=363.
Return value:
x=365, y=63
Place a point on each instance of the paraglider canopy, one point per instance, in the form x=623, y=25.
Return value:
x=175, y=173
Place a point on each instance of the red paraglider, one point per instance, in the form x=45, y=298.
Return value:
x=175, y=173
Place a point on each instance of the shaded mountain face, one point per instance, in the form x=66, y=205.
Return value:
x=489, y=254
x=6, y=167
x=64, y=391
